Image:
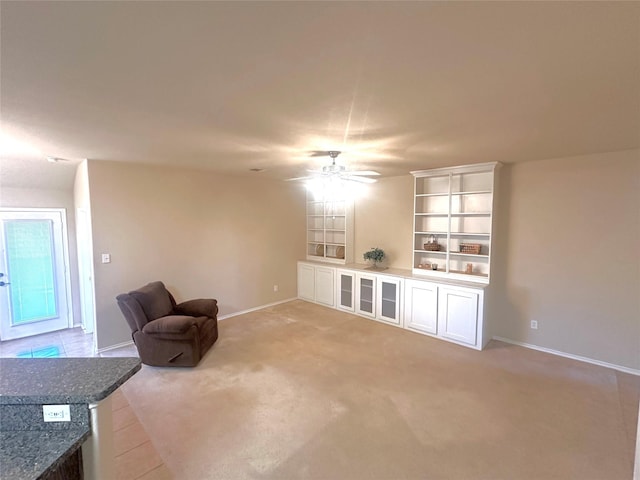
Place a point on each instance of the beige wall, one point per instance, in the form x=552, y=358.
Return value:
x=384, y=219
x=51, y=198
x=204, y=235
x=566, y=251
x=568, y=256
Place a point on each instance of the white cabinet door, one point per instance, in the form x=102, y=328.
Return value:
x=306, y=282
x=458, y=314
x=345, y=290
x=366, y=295
x=421, y=306
x=388, y=299
x=325, y=286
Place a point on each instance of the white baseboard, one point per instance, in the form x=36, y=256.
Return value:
x=113, y=347
x=620, y=368
x=242, y=312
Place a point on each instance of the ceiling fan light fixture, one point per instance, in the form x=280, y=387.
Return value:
x=56, y=159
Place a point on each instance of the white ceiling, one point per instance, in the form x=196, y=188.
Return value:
x=230, y=86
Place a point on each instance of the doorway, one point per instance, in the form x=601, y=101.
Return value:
x=34, y=272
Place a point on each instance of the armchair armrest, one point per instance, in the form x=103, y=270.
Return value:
x=200, y=307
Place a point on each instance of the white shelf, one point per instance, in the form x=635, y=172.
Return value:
x=477, y=192
x=445, y=194
x=471, y=214
x=454, y=214
x=437, y=252
x=468, y=234
x=460, y=254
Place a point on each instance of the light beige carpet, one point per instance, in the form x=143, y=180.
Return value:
x=300, y=391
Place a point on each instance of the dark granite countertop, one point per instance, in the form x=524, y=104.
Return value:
x=62, y=380
x=26, y=455
x=29, y=447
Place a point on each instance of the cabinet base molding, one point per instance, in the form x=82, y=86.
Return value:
x=580, y=358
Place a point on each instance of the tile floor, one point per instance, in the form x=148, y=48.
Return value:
x=72, y=342
x=135, y=456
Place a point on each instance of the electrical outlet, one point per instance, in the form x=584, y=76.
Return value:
x=275, y=288
x=534, y=324
x=56, y=413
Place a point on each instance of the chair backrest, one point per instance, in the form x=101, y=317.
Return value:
x=145, y=304
x=132, y=311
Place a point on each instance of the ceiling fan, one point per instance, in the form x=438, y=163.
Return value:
x=338, y=172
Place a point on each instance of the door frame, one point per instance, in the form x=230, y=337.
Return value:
x=85, y=270
x=65, y=253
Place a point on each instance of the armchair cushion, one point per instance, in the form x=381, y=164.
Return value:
x=154, y=300
x=172, y=324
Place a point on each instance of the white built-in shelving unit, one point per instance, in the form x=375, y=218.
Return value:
x=453, y=207
x=329, y=229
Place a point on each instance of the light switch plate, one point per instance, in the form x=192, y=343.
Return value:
x=56, y=413
x=106, y=258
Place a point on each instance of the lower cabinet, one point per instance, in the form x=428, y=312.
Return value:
x=345, y=292
x=378, y=297
x=316, y=283
x=421, y=306
x=389, y=301
x=458, y=315
x=366, y=294
x=306, y=282
x=451, y=312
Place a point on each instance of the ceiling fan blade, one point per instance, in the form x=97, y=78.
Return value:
x=363, y=172
x=359, y=179
x=298, y=178
x=319, y=153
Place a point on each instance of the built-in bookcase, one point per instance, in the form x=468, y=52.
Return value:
x=453, y=221
x=329, y=229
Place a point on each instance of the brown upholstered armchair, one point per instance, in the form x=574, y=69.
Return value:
x=169, y=334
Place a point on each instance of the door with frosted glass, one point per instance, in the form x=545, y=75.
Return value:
x=33, y=283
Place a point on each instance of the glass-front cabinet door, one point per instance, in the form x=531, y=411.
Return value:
x=366, y=295
x=346, y=293
x=389, y=299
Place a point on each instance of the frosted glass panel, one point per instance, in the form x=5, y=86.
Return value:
x=388, y=300
x=345, y=290
x=30, y=268
x=366, y=295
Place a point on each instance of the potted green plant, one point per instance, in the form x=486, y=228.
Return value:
x=375, y=255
